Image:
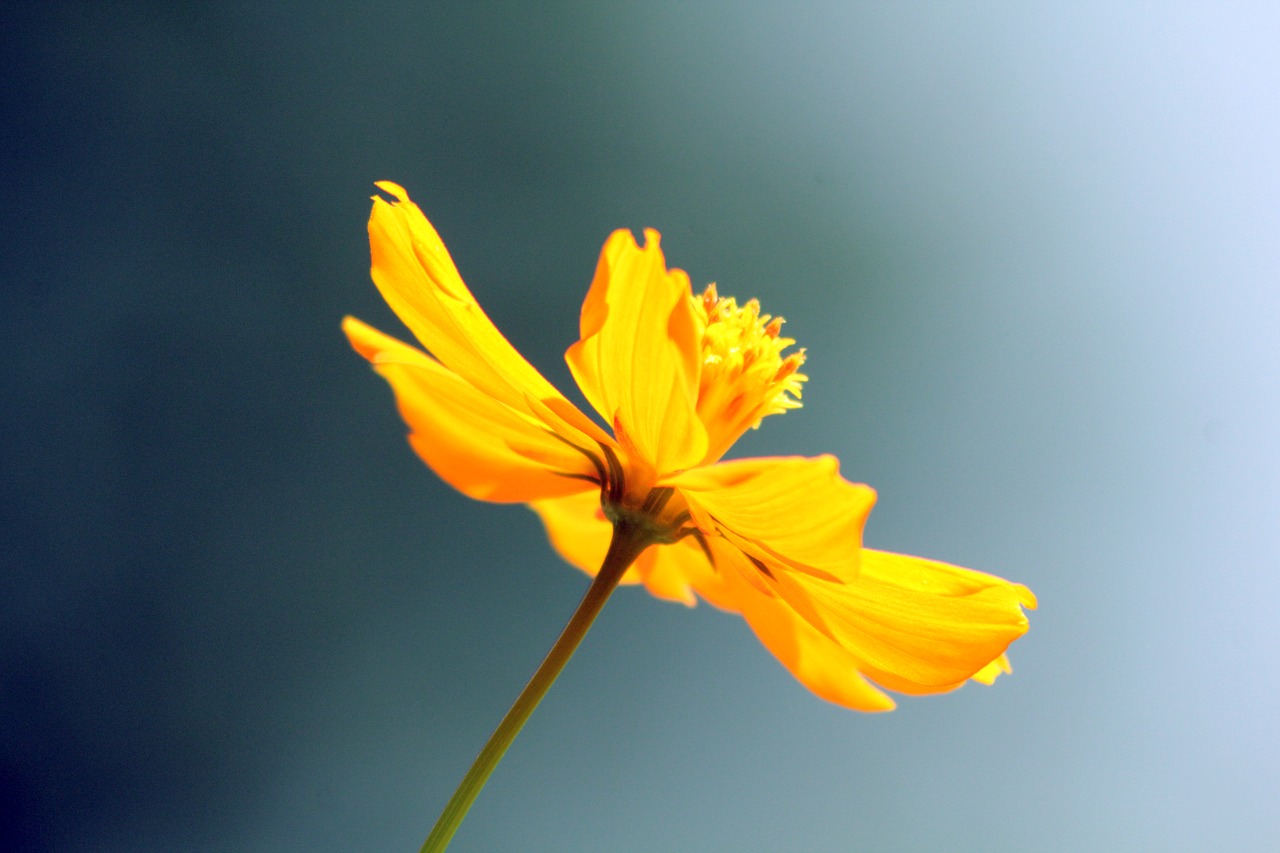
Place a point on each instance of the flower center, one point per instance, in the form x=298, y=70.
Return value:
x=745, y=376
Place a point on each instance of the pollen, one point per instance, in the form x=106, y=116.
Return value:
x=745, y=375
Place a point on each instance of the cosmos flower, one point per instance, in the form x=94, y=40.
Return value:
x=678, y=378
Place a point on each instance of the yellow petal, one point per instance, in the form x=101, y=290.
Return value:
x=413, y=271
x=481, y=447
x=792, y=510
x=639, y=356
x=914, y=625
x=816, y=661
x=989, y=673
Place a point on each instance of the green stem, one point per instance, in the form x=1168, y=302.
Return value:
x=627, y=543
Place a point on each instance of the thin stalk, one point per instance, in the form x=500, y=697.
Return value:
x=627, y=543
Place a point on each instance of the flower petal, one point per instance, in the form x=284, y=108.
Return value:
x=639, y=356
x=989, y=673
x=793, y=510
x=816, y=661
x=676, y=571
x=481, y=447
x=914, y=625
x=413, y=271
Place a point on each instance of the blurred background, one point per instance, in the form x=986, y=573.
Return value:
x=1033, y=251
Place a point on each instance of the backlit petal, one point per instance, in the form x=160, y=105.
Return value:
x=413, y=270
x=816, y=661
x=639, y=356
x=481, y=447
x=914, y=625
x=796, y=511
x=675, y=572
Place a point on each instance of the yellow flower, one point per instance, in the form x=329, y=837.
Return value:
x=678, y=378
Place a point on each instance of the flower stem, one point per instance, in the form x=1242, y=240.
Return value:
x=628, y=542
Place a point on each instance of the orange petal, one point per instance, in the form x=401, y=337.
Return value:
x=816, y=661
x=792, y=510
x=413, y=271
x=914, y=625
x=639, y=356
x=675, y=572
x=481, y=447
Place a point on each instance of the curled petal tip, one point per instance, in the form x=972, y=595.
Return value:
x=391, y=188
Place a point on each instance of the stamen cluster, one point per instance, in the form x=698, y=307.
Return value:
x=745, y=376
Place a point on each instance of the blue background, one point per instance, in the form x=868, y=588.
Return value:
x=1033, y=250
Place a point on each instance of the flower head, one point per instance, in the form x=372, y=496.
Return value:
x=677, y=377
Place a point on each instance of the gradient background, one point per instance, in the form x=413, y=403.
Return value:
x=1033, y=252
